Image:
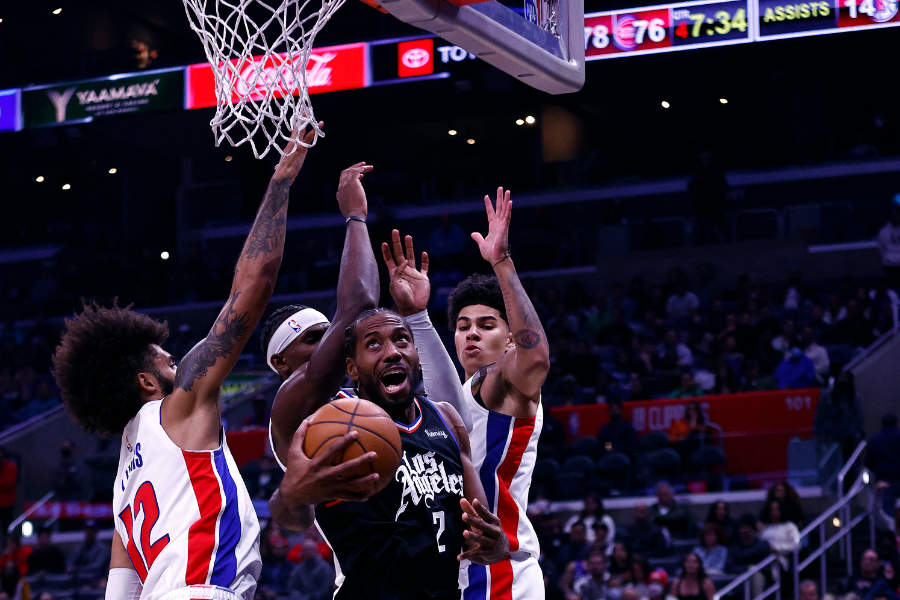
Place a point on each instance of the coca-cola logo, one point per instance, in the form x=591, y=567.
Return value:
x=258, y=80
x=415, y=58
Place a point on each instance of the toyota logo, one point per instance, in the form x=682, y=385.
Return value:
x=415, y=58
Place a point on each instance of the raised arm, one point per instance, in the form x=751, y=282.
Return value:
x=186, y=414
x=310, y=387
x=410, y=290
x=524, y=368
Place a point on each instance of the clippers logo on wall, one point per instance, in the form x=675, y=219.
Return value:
x=415, y=58
x=9, y=110
x=328, y=70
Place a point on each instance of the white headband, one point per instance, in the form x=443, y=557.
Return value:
x=292, y=328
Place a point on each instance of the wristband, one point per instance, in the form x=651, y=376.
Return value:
x=354, y=218
x=505, y=256
x=123, y=584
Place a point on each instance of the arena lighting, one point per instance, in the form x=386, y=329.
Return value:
x=39, y=179
x=452, y=132
x=530, y=120
x=836, y=522
x=470, y=141
x=57, y=11
x=520, y=122
x=27, y=529
x=66, y=186
x=865, y=477
x=164, y=255
x=723, y=100
x=228, y=158
x=113, y=171
x=665, y=104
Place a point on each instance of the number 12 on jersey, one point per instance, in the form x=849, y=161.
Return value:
x=143, y=558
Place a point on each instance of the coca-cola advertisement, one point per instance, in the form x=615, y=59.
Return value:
x=328, y=70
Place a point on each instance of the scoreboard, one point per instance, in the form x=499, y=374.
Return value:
x=705, y=23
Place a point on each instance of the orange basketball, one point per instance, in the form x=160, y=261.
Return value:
x=377, y=433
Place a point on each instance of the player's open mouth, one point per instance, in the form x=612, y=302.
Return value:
x=393, y=380
x=472, y=350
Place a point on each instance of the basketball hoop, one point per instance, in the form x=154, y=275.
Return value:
x=259, y=51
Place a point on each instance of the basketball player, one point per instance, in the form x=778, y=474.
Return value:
x=307, y=352
x=503, y=350
x=405, y=541
x=185, y=525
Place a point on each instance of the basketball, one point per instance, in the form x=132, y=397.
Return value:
x=376, y=429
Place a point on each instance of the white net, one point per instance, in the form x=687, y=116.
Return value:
x=259, y=51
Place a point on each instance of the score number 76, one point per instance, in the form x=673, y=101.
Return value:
x=598, y=35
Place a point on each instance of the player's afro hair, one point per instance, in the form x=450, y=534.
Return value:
x=275, y=320
x=96, y=362
x=475, y=289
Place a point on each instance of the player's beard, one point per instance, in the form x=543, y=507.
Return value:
x=167, y=385
x=368, y=389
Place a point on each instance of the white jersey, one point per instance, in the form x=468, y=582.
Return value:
x=504, y=450
x=185, y=516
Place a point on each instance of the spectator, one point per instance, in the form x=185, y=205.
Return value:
x=594, y=584
x=691, y=426
x=881, y=458
x=91, y=557
x=644, y=536
x=693, y=583
x=603, y=542
x=68, y=478
x=46, y=557
x=9, y=474
x=785, y=340
x=262, y=477
x=754, y=381
x=576, y=548
x=711, y=551
x=889, y=247
x=313, y=578
x=16, y=553
x=838, y=417
x=682, y=303
x=809, y=590
x=273, y=549
x=796, y=371
x=617, y=435
x=792, y=509
x=816, y=353
x=688, y=387
x=731, y=354
x=640, y=576
x=659, y=579
x=748, y=550
x=619, y=565
x=862, y=583
x=672, y=354
x=720, y=515
x=781, y=534
x=886, y=588
x=668, y=514
x=592, y=515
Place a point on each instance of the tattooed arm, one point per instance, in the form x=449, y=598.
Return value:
x=523, y=369
x=190, y=415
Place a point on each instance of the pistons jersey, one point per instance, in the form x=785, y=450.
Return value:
x=504, y=450
x=184, y=516
x=402, y=543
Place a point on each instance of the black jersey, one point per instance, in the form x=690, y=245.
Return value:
x=402, y=543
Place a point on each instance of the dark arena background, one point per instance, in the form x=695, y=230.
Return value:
x=709, y=231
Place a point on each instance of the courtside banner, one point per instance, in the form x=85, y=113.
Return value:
x=329, y=69
x=755, y=427
x=10, y=116
x=82, y=101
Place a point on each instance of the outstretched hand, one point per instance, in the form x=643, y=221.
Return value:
x=495, y=247
x=316, y=480
x=351, y=196
x=290, y=164
x=486, y=541
x=410, y=287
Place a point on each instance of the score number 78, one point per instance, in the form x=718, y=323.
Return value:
x=598, y=35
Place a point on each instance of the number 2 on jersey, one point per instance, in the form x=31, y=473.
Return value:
x=144, y=499
x=438, y=517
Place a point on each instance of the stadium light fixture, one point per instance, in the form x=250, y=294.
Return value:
x=836, y=522
x=66, y=186
x=665, y=104
x=164, y=255
x=520, y=121
x=113, y=171
x=865, y=476
x=27, y=529
x=470, y=141
x=530, y=120
x=57, y=11
x=228, y=158
x=39, y=179
x=452, y=132
x=723, y=100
